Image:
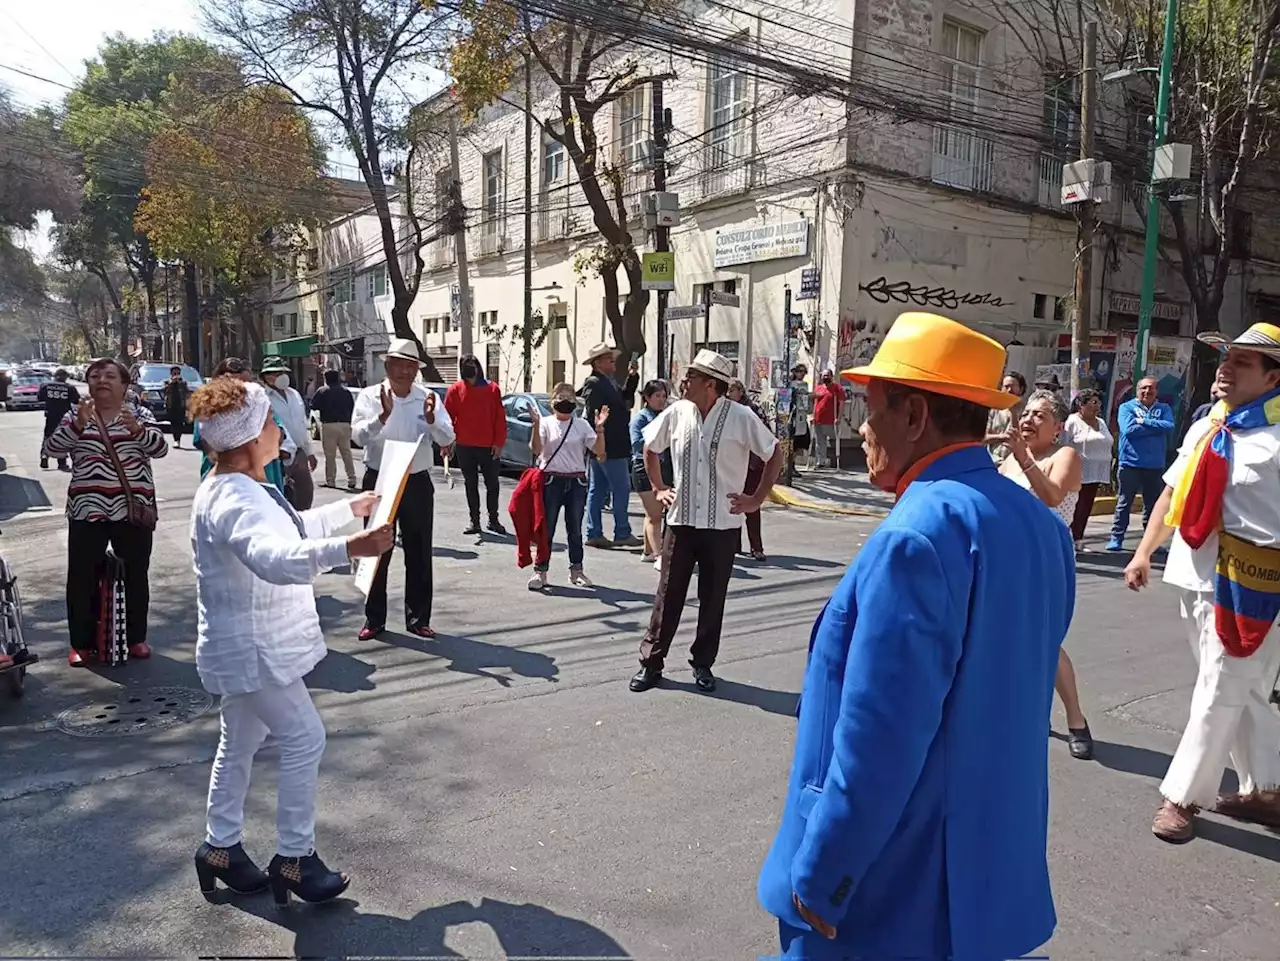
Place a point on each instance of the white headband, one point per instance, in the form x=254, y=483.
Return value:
x=234, y=428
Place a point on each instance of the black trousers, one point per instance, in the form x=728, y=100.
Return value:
x=87, y=543
x=683, y=548
x=474, y=461
x=177, y=423
x=415, y=520
x=49, y=427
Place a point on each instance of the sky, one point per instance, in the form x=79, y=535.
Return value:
x=52, y=39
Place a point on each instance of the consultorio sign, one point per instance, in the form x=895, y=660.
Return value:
x=768, y=242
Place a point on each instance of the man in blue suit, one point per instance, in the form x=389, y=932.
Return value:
x=917, y=811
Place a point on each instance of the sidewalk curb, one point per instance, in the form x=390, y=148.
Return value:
x=787, y=498
x=1102, y=507
x=1107, y=505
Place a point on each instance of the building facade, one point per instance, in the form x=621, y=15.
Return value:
x=935, y=185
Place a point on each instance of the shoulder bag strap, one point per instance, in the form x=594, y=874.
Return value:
x=107, y=442
x=567, y=432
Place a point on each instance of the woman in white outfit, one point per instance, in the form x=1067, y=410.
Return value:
x=259, y=635
x=1087, y=433
x=1051, y=471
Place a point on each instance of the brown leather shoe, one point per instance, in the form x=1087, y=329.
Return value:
x=1260, y=807
x=140, y=651
x=1175, y=823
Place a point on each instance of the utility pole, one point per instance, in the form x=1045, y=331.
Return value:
x=786, y=429
x=662, y=235
x=457, y=223
x=527, y=328
x=1080, y=349
x=1152, y=252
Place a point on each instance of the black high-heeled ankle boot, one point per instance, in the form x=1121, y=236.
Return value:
x=231, y=866
x=307, y=877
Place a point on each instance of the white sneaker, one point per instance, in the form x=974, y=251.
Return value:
x=538, y=581
x=578, y=579
x=657, y=563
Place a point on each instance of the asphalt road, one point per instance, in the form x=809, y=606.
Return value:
x=499, y=792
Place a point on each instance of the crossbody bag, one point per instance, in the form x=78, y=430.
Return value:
x=140, y=514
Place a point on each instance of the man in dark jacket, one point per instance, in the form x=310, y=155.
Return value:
x=479, y=420
x=610, y=478
x=176, y=394
x=334, y=404
x=58, y=397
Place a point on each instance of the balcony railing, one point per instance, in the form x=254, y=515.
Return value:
x=962, y=159
x=554, y=215
x=1050, y=193
x=441, y=254
x=733, y=176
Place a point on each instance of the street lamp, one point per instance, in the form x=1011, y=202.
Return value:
x=1152, y=249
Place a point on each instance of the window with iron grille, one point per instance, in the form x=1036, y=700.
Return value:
x=492, y=189
x=727, y=117
x=378, y=282
x=632, y=128
x=552, y=163
x=491, y=362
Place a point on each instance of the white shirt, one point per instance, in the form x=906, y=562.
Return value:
x=288, y=406
x=710, y=458
x=1093, y=444
x=257, y=623
x=572, y=457
x=1250, y=506
x=407, y=422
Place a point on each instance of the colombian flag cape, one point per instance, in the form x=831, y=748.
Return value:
x=1247, y=589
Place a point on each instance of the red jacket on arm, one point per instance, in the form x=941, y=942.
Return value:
x=477, y=414
x=529, y=518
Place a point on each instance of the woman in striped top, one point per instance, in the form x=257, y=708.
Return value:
x=104, y=508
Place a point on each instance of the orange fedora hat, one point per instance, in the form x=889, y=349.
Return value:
x=939, y=355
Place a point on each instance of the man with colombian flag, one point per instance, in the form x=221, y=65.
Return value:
x=1222, y=506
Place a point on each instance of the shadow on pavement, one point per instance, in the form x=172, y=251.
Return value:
x=782, y=703
x=469, y=656
x=20, y=494
x=523, y=930
x=788, y=563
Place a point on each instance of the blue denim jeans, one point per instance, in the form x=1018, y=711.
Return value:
x=1147, y=481
x=610, y=477
x=570, y=494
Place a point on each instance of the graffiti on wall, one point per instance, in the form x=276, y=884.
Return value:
x=883, y=291
x=857, y=342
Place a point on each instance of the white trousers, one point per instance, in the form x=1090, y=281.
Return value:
x=1230, y=714
x=289, y=716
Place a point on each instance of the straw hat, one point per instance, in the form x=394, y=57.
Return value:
x=713, y=365
x=404, y=349
x=942, y=356
x=1264, y=338
x=596, y=352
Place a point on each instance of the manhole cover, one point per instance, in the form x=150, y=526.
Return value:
x=135, y=711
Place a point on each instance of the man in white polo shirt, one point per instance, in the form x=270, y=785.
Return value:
x=711, y=440
x=401, y=408
x=1222, y=501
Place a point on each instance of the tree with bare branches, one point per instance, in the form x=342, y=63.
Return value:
x=1225, y=102
x=588, y=69
x=343, y=61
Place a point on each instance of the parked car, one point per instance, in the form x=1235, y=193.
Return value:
x=516, y=452
x=24, y=390
x=149, y=380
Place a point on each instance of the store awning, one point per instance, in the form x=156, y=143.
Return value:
x=293, y=347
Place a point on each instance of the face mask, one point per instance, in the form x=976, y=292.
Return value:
x=563, y=407
x=282, y=382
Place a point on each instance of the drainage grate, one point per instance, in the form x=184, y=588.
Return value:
x=135, y=711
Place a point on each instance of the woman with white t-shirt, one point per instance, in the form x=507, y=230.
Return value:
x=560, y=447
x=1086, y=432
